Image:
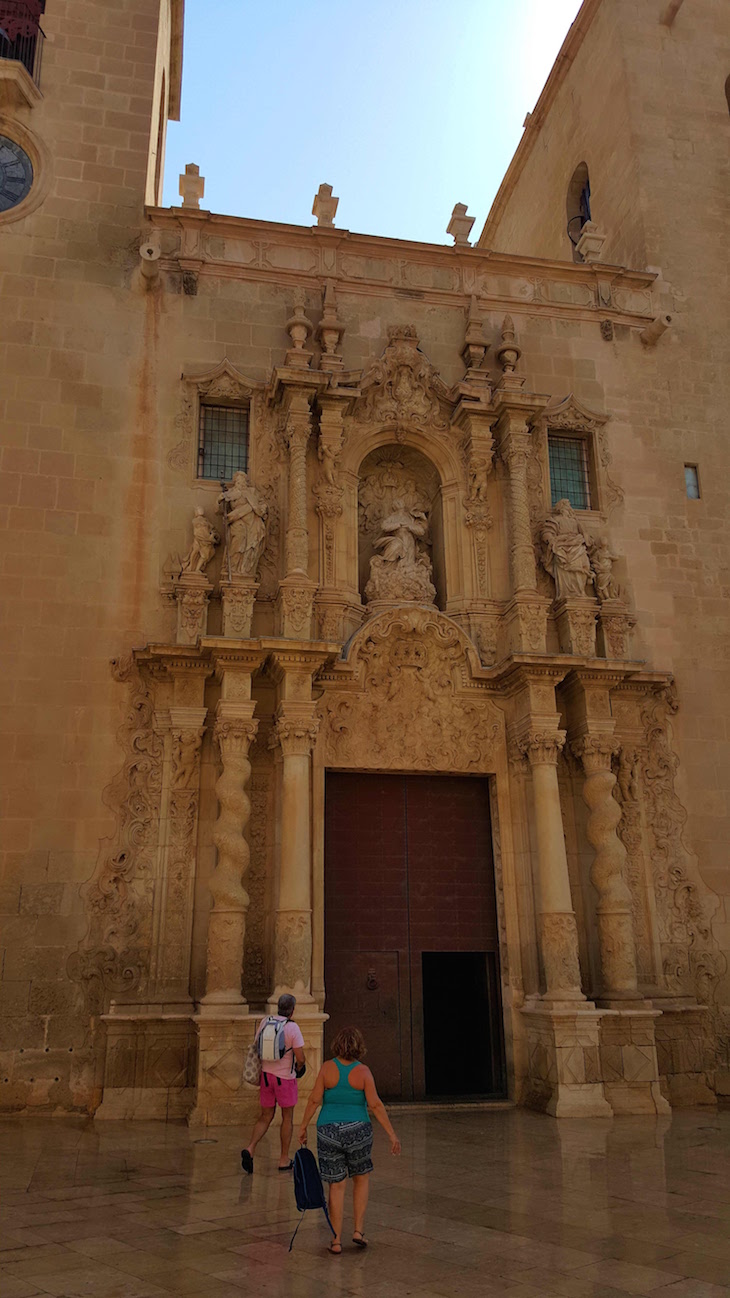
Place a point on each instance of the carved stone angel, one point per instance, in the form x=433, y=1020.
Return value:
x=205, y=539
x=565, y=551
x=602, y=560
x=245, y=525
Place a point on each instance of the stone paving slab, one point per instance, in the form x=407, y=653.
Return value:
x=481, y=1204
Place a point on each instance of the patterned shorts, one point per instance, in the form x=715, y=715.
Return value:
x=343, y=1149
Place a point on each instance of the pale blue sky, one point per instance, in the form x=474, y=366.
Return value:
x=404, y=106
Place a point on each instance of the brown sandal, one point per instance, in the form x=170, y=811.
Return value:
x=361, y=1242
x=335, y=1248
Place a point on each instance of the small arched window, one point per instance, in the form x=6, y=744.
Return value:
x=578, y=205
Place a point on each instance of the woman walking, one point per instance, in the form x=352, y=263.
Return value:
x=346, y=1090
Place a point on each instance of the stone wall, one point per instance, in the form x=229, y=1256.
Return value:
x=98, y=489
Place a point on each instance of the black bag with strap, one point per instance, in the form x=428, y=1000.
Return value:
x=308, y=1187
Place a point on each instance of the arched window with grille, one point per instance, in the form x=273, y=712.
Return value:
x=578, y=205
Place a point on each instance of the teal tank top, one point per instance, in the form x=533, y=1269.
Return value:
x=342, y=1103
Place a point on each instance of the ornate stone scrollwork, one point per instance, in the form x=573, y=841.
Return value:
x=408, y=664
x=113, y=958
x=402, y=388
x=559, y=945
x=692, y=959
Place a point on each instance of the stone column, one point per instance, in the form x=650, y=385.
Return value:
x=515, y=451
x=558, y=932
x=234, y=732
x=614, y=909
x=527, y=611
x=296, y=591
x=295, y=732
x=298, y=429
x=170, y=972
x=235, y=729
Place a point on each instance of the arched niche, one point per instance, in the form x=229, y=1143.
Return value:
x=388, y=475
x=578, y=206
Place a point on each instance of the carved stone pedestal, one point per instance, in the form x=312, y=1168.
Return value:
x=192, y=593
x=629, y=1062
x=238, y=597
x=576, y=623
x=614, y=629
x=685, y=1055
x=294, y=607
x=564, y=1068
x=525, y=618
x=149, y=1067
x=223, y=1098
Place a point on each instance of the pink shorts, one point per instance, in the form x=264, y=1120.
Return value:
x=278, y=1090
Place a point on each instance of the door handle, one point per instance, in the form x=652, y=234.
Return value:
x=371, y=981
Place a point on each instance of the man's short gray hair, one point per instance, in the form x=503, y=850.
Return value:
x=287, y=1004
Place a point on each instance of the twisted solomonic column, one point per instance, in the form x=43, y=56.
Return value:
x=227, y=922
x=558, y=930
x=614, y=910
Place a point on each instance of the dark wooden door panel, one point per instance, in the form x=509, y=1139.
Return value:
x=368, y=996
x=408, y=869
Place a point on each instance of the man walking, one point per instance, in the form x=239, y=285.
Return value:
x=278, y=1085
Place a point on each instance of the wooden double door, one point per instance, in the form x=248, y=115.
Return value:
x=411, y=949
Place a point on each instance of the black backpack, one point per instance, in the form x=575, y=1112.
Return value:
x=308, y=1187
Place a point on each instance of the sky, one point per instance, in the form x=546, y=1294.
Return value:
x=405, y=107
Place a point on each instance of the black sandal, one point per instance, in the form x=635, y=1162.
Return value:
x=335, y=1248
x=361, y=1242
x=246, y=1162
x=289, y=1167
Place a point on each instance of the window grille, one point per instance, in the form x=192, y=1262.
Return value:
x=692, y=481
x=569, y=477
x=222, y=442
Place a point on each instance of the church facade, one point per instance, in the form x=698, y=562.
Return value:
x=366, y=601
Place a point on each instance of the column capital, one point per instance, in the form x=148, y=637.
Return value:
x=295, y=730
x=542, y=747
x=596, y=750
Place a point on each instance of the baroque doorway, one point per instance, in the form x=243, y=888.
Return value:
x=411, y=947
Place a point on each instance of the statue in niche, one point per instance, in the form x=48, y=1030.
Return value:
x=205, y=539
x=245, y=526
x=403, y=570
x=602, y=561
x=565, y=551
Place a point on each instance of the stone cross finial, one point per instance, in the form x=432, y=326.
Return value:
x=192, y=186
x=460, y=225
x=324, y=206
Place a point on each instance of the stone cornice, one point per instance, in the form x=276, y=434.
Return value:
x=232, y=247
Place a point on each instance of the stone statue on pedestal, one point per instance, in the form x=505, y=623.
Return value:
x=403, y=570
x=245, y=525
x=205, y=539
x=565, y=552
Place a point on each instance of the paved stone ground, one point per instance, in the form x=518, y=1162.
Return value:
x=483, y=1204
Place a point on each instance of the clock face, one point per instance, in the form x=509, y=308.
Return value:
x=16, y=174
